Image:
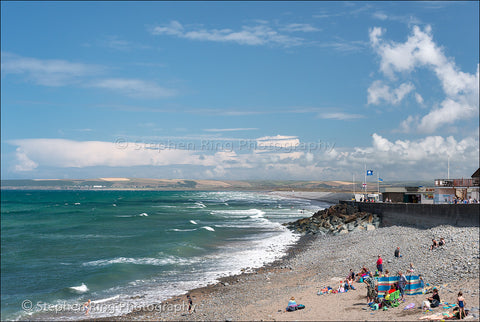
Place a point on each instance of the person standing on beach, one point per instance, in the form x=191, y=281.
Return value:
x=461, y=304
x=190, y=304
x=380, y=264
x=86, y=306
x=402, y=282
x=371, y=293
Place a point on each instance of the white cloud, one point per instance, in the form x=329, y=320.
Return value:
x=48, y=72
x=277, y=142
x=282, y=157
x=134, y=87
x=378, y=92
x=340, y=116
x=24, y=163
x=260, y=34
x=380, y=15
x=302, y=27
x=419, y=98
x=419, y=50
x=232, y=129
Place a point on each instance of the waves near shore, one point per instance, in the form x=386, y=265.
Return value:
x=138, y=247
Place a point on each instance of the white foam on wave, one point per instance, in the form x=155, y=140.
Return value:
x=141, y=261
x=106, y=300
x=143, y=214
x=208, y=228
x=238, y=213
x=198, y=205
x=176, y=229
x=258, y=253
x=79, y=289
x=193, y=222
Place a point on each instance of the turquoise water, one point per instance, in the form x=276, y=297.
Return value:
x=61, y=248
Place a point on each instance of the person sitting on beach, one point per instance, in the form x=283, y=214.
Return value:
x=349, y=284
x=411, y=270
x=392, y=289
x=422, y=283
x=441, y=242
x=387, y=273
x=341, y=287
x=351, y=275
x=362, y=273
x=432, y=301
x=434, y=244
x=461, y=305
x=397, y=252
x=292, y=304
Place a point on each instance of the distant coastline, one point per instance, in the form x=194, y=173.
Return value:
x=189, y=185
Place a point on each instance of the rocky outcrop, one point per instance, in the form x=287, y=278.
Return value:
x=338, y=219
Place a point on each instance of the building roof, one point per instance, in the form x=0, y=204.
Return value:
x=476, y=174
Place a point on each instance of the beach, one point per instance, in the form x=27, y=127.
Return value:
x=316, y=262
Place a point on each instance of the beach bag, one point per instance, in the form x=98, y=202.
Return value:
x=300, y=306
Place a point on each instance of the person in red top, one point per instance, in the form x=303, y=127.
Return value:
x=392, y=289
x=380, y=264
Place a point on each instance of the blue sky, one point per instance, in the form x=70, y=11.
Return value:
x=239, y=90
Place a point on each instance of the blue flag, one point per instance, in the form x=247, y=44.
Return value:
x=380, y=180
x=369, y=172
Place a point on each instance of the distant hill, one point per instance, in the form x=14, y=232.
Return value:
x=200, y=185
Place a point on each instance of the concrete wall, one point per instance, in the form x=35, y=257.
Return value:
x=422, y=215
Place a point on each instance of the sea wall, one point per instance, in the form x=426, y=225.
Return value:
x=422, y=215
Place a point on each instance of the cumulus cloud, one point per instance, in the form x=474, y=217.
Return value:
x=420, y=51
x=260, y=34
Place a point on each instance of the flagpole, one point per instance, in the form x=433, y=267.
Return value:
x=353, y=182
x=365, y=173
x=378, y=183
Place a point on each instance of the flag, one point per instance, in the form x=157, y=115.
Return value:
x=369, y=172
x=380, y=180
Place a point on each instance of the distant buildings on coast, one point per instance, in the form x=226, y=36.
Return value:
x=444, y=191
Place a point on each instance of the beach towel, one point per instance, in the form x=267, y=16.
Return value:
x=413, y=286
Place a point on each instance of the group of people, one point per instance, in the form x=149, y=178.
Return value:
x=464, y=201
x=436, y=244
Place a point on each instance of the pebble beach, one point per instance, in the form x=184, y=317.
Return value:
x=316, y=262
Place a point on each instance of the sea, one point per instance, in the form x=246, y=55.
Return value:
x=129, y=249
